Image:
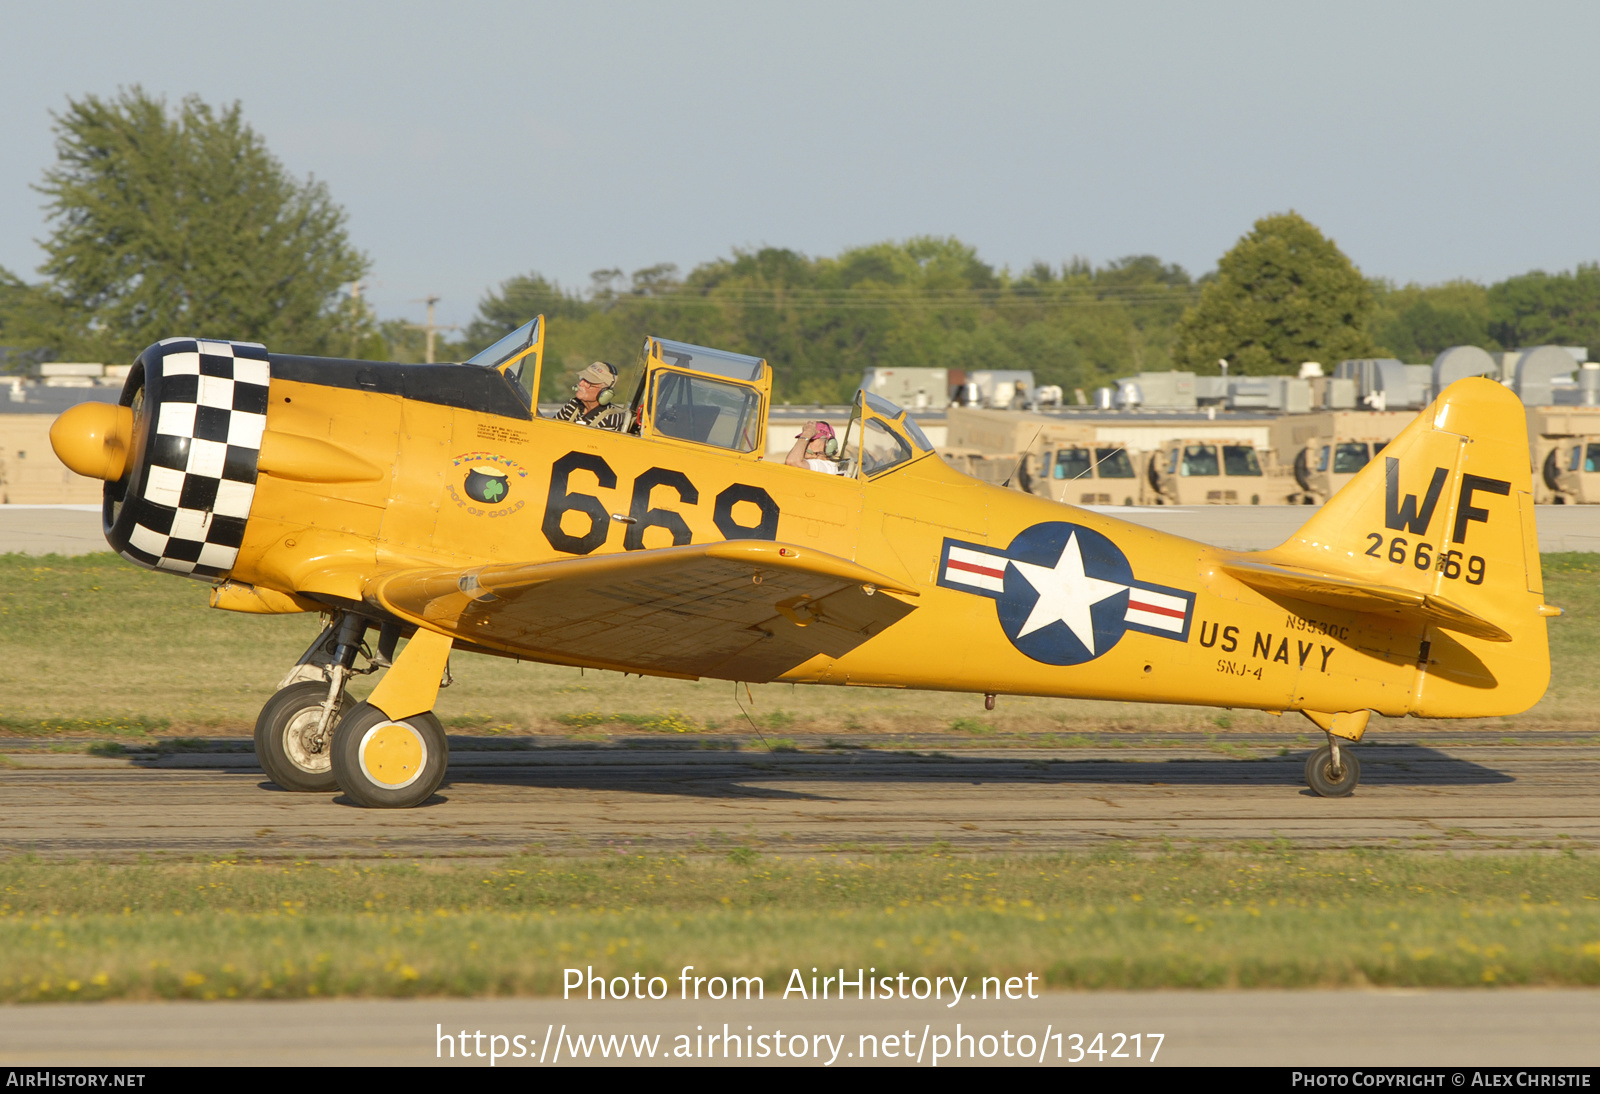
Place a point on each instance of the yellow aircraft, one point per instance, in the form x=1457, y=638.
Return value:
x=432, y=502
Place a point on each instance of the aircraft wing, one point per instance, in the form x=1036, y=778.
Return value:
x=741, y=609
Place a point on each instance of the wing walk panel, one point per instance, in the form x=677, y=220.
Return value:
x=743, y=610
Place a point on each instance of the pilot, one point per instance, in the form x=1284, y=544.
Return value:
x=816, y=447
x=591, y=402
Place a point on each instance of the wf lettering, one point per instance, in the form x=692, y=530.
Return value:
x=1405, y=515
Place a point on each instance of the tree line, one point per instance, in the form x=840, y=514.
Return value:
x=179, y=220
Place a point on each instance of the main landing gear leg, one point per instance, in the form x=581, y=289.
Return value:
x=294, y=728
x=1333, y=770
x=390, y=752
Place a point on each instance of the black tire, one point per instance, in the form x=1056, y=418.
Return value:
x=282, y=727
x=408, y=766
x=1324, y=780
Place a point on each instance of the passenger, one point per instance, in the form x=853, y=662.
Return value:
x=591, y=402
x=815, y=447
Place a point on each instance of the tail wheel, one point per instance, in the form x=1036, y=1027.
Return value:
x=1329, y=781
x=382, y=763
x=286, y=732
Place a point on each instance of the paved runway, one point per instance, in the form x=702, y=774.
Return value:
x=51, y=529
x=1467, y=795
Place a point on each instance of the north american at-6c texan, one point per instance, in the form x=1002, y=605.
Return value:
x=432, y=503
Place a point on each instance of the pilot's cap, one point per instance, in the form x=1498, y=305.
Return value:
x=599, y=373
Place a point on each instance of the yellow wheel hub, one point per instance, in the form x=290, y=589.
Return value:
x=393, y=755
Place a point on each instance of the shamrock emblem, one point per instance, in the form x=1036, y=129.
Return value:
x=487, y=484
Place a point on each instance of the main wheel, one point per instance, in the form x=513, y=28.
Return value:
x=285, y=732
x=1329, y=781
x=386, y=764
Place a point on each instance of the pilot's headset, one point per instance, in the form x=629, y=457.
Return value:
x=605, y=375
x=830, y=447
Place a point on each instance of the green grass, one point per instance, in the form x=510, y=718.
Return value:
x=110, y=726
x=237, y=929
x=671, y=722
x=96, y=647
x=974, y=726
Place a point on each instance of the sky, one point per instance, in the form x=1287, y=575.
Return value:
x=476, y=141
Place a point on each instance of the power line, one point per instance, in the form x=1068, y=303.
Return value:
x=921, y=301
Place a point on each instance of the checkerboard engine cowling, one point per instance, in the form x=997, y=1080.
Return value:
x=186, y=503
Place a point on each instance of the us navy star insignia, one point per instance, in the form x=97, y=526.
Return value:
x=1066, y=573
x=1066, y=594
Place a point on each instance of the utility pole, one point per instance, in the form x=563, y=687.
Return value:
x=355, y=315
x=430, y=328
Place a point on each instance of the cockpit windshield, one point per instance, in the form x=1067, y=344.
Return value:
x=871, y=445
x=917, y=434
x=889, y=410
x=881, y=405
x=881, y=448
x=718, y=362
x=515, y=356
x=506, y=348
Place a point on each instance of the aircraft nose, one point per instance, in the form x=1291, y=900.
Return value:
x=93, y=439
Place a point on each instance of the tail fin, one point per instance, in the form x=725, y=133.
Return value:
x=1439, y=527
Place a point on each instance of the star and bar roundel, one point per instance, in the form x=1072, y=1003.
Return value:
x=1065, y=594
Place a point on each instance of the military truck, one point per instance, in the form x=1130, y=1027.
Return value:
x=1114, y=461
x=1218, y=471
x=1061, y=460
x=993, y=445
x=1088, y=474
x=1326, y=449
x=991, y=467
x=1564, y=445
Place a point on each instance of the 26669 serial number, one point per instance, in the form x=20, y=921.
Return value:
x=1422, y=556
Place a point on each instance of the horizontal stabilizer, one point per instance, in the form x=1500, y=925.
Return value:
x=1351, y=594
